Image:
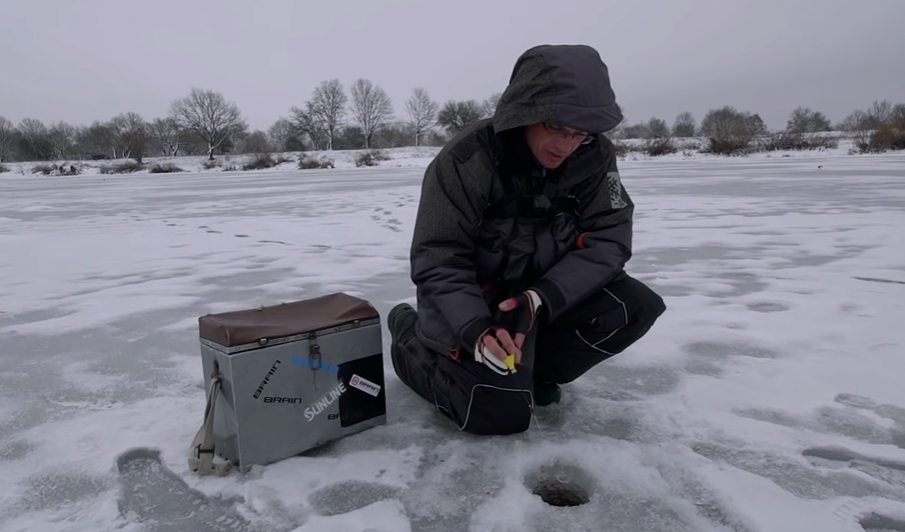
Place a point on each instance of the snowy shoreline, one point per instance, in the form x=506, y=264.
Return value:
x=410, y=157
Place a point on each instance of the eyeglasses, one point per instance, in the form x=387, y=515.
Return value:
x=569, y=134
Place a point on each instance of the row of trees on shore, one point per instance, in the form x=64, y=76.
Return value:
x=334, y=118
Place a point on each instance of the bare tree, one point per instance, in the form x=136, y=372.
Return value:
x=209, y=116
x=327, y=108
x=96, y=141
x=855, y=122
x=756, y=124
x=684, y=126
x=282, y=136
x=806, y=120
x=32, y=127
x=456, y=116
x=34, y=144
x=7, y=138
x=62, y=138
x=132, y=136
x=422, y=112
x=657, y=128
x=640, y=130
x=730, y=131
x=256, y=142
x=371, y=107
x=306, y=122
x=488, y=106
x=396, y=134
x=729, y=121
x=898, y=113
x=879, y=112
x=165, y=135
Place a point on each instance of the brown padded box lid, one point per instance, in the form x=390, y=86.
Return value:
x=287, y=319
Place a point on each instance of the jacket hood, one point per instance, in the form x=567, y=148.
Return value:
x=565, y=84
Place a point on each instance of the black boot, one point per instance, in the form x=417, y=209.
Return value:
x=546, y=393
x=414, y=365
x=400, y=319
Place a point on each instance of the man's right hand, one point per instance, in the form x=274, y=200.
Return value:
x=493, y=347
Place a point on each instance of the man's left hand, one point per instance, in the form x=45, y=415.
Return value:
x=524, y=309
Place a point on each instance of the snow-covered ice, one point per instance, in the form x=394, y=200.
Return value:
x=770, y=397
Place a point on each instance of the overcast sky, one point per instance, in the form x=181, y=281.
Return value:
x=81, y=60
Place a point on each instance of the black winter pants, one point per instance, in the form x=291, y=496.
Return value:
x=480, y=401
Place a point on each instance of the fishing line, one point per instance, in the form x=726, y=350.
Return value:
x=510, y=363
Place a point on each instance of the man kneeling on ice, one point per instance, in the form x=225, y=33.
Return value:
x=522, y=235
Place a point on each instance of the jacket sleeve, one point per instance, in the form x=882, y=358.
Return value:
x=601, y=249
x=443, y=245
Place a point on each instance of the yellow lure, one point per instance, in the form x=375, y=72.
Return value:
x=510, y=361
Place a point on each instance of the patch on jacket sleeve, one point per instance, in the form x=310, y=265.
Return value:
x=614, y=184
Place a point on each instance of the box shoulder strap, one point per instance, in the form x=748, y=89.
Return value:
x=201, y=451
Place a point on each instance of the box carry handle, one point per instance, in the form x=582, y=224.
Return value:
x=201, y=451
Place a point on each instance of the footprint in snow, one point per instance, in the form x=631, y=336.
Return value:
x=847, y=420
x=854, y=309
x=802, y=480
x=709, y=358
x=859, y=514
x=392, y=224
x=875, y=522
x=889, y=471
x=154, y=495
x=345, y=497
x=767, y=306
x=15, y=450
x=837, y=470
x=624, y=382
x=879, y=280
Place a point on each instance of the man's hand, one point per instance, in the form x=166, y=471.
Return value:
x=498, y=343
x=493, y=347
x=523, y=310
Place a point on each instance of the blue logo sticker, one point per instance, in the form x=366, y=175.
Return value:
x=314, y=364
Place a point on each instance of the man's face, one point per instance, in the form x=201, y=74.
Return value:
x=552, y=143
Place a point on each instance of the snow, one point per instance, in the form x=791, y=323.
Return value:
x=409, y=157
x=769, y=397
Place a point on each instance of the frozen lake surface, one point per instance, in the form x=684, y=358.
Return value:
x=770, y=397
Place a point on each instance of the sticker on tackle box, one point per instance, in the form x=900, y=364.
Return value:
x=364, y=385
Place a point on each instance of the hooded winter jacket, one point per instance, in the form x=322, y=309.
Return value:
x=492, y=221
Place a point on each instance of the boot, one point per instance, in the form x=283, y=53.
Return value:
x=400, y=319
x=546, y=393
x=415, y=365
